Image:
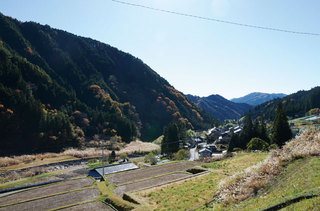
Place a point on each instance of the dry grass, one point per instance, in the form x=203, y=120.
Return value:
x=245, y=185
x=136, y=146
x=139, y=146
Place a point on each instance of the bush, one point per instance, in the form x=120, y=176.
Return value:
x=257, y=144
x=273, y=146
x=150, y=158
x=181, y=155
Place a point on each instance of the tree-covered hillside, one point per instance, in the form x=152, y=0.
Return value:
x=221, y=108
x=57, y=89
x=297, y=104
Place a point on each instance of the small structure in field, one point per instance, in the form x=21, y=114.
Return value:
x=97, y=173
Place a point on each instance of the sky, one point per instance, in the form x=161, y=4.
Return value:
x=196, y=56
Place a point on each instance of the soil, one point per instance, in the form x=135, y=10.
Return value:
x=148, y=172
x=46, y=190
x=120, y=190
x=55, y=201
x=97, y=206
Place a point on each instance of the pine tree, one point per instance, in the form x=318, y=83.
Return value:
x=281, y=131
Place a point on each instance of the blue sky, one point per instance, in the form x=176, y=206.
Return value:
x=196, y=56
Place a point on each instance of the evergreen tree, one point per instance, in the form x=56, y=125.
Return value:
x=263, y=131
x=256, y=129
x=174, y=133
x=234, y=142
x=281, y=131
x=247, y=132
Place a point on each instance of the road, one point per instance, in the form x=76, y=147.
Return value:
x=194, y=155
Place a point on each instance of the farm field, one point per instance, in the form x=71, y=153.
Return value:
x=46, y=190
x=55, y=201
x=151, y=182
x=61, y=194
x=149, y=172
x=96, y=205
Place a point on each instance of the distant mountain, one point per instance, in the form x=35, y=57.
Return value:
x=257, y=98
x=221, y=108
x=294, y=104
x=58, y=90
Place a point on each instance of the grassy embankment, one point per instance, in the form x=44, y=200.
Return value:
x=301, y=178
x=198, y=190
x=289, y=175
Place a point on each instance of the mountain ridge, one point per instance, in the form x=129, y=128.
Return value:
x=221, y=108
x=256, y=98
x=296, y=104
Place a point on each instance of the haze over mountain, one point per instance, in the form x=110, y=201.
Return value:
x=58, y=89
x=221, y=108
x=257, y=98
x=296, y=104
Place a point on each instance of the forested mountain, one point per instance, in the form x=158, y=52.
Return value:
x=296, y=104
x=257, y=98
x=57, y=89
x=221, y=108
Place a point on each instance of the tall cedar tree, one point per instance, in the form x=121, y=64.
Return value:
x=263, y=131
x=281, y=131
x=174, y=133
x=234, y=142
x=247, y=133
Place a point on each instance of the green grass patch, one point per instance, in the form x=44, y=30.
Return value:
x=107, y=195
x=237, y=163
x=28, y=180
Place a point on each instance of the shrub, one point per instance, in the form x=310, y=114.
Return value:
x=257, y=144
x=181, y=155
x=273, y=146
x=150, y=158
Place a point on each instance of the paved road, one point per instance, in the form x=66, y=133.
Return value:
x=194, y=155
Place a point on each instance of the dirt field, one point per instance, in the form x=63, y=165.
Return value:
x=46, y=190
x=149, y=172
x=120, y=190
x=97, y=206
x=55, y=201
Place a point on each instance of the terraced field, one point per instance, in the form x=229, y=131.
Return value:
x=149, y=172
x=61, y=194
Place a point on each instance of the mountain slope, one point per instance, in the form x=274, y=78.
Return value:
x=295, y=104
x=92, y=87
x=257, y=98
x=220, y=107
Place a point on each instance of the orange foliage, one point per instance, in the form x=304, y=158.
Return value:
x=95, y=88
x=119, y=110
x=187, y=103
x=29, y=50
x=197, y=114
x=86, y=121
x=1, y=42
x=9, y=111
